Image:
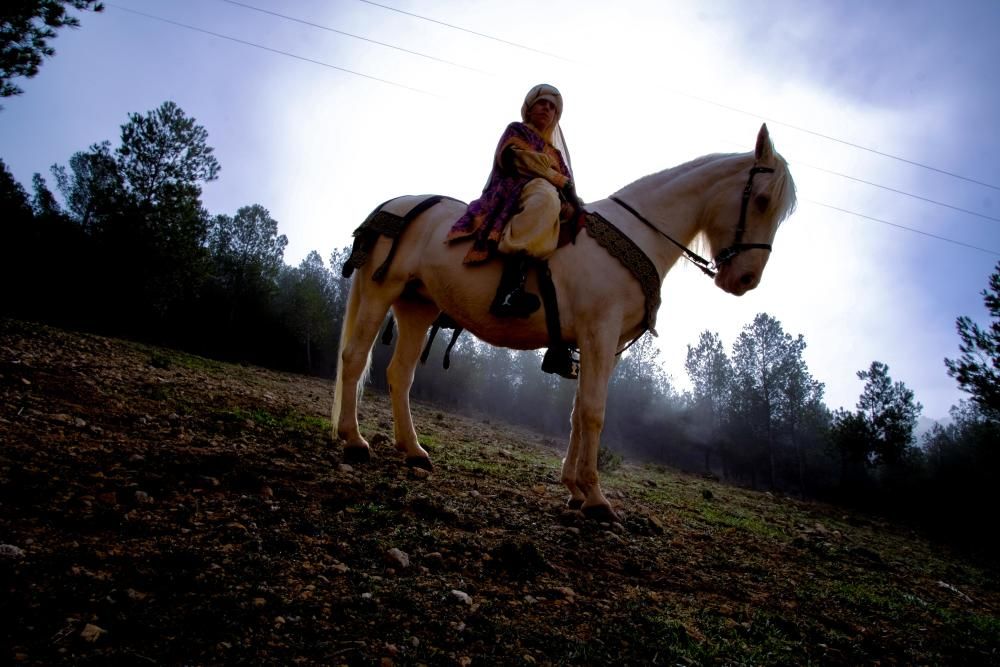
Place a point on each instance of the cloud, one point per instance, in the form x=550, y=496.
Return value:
x=883, y=54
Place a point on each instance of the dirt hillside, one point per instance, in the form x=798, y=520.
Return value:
x=161, y=508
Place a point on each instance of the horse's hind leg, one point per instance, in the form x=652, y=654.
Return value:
x=413, y=319
x=362, y=322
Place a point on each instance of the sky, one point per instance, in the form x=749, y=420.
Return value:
x=886, y=112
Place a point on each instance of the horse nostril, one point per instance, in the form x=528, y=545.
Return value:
x=746, y=279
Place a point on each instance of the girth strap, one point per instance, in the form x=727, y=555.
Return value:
x=443, y=321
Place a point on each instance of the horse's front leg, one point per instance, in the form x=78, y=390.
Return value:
x=596, y=364
x=413, y=320
x=570, y=464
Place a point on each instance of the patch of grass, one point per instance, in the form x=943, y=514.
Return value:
x=428, y=442
x=736, y=519
x=485, y=468
x=869, y=599
x=515, y=466
x=159, y=360
x=663, y=629
x=299, y=422
x=770, y=640
x=199, y=363
x=535, y=459
x=652, y=482
x=608, y=460
x=370, y=510
x=660, y=495
x=294, y=421
x=261, y=417
x=863, y=594
x=986, y=625
x=158, y=392
x=645, y=633
x=972, y=630
x=163, y=358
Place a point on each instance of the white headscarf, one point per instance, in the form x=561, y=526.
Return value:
x=545, y=91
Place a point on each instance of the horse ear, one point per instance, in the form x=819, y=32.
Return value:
x=765, y=149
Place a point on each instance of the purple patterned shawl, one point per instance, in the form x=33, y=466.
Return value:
x=487, y=216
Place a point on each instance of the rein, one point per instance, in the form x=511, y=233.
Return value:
x=711, y=269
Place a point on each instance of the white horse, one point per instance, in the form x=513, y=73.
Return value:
x=733, y=204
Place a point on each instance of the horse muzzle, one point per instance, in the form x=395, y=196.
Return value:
x=736, y=278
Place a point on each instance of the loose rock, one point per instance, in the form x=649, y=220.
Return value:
x=397, y=558
x=11, y=551
x=91, y=633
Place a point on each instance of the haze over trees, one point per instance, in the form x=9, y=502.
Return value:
x=127, y=248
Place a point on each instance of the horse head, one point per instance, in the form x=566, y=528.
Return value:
x=744, y=214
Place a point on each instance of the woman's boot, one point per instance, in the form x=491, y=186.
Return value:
x=511, y=299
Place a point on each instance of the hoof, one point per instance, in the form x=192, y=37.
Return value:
x=356, y=455
x=601, y=513
x=421, y=462
x=574, y=503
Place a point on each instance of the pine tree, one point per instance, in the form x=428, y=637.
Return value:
x=26, y=26
x=977, y=370
x=891, y=413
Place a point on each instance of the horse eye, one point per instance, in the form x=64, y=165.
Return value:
x=761, y=202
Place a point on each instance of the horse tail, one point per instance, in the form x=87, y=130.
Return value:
x=346, y=332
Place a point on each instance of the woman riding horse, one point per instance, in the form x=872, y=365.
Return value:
x=528, y=194
x=607, y=283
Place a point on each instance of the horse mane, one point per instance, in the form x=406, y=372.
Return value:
x=671, y=173
x=782, y=189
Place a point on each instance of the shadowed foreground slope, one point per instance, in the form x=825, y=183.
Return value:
x=157, y=507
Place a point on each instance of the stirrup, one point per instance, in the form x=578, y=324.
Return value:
x=559, y=360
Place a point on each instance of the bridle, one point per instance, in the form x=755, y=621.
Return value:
x=711, y=269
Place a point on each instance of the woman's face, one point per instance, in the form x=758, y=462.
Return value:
x=542, y=114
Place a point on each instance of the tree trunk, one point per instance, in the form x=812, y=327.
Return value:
x=770, y=463
x=802, y=465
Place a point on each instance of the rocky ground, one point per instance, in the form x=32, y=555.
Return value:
x=157, y=507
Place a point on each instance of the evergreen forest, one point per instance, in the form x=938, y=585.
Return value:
x=117, y=241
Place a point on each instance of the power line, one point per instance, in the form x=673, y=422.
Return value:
x=776, y=121
x=705, y=100
x=455, y=64
x=800, y=163
x=393, y=83
x=364, y=39
x=471, y=32
x=900, y=192
x=268, y=48
x=903, y=227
